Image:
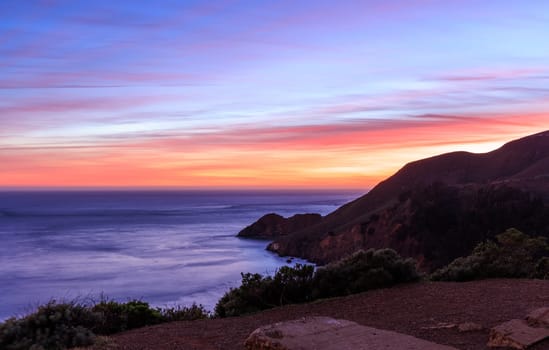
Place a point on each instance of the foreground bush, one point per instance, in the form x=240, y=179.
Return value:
x=64, y=325
x=362, y=271
x=52, y=326
x=184, y=313
x=359, y=272
x=117, y=317
x=513, y=255
x=288, y=286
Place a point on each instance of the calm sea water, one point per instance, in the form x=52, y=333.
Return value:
x=166, y=248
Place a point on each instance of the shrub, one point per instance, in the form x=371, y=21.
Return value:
x=245, y=299
x=184, y=313
x=292, y=285
x=513, y=255
x=117, y=317
x=541, y=270
x=363, y=270
x=64, y=325
x=53, y=326
x=288, y=286
x=359, y=272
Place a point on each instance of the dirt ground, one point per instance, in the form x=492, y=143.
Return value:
x=409, y=309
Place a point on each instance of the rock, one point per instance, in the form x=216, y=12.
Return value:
x=516, y=334
x=539, y=317
x=441, y=325
x=462, y=327
x=469, y=327
x=274, y=225
x=324, y=333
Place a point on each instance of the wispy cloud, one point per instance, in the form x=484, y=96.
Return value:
x=493, y=74
x=269, y=94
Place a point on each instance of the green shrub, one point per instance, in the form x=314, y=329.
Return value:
x=292, y=285
x=289, y=285
x=64, y=325
x=363, y=270
x=53, y=326
x=513, y=255
x=184, y=313
x=541, y=270
x=116, y=317
x=245, y=299
x=359, y=272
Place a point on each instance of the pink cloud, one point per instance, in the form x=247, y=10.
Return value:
x=491, y=74
x=266, y=156
x=367, y=133
x=98, y=79
x=65, y=105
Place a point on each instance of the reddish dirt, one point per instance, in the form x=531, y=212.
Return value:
x=408, y=309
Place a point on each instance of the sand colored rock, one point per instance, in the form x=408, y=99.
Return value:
x=441, y=325
x=539, y=317
x=469, y=327
x=516, y=334
x=325, y=333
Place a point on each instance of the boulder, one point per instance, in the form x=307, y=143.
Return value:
x=539, y=317
x=324, y=333
x=516, y=334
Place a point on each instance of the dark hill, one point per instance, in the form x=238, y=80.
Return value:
x=438, y=208
x=274, y=225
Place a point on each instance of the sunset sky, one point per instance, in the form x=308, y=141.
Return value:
x=308, y=94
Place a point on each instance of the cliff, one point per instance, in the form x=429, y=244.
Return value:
x=274, y=225
x=437, y=208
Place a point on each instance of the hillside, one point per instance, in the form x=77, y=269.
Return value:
x=438, y=208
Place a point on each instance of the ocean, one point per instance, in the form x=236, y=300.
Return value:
x=164, y=247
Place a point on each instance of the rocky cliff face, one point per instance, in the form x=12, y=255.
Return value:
x=433, y=224
x=438, y=208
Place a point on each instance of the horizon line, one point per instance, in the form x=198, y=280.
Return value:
x=177, y=188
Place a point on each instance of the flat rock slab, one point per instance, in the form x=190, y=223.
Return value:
x=517, y=334
x=539, y=317
x=324, y=333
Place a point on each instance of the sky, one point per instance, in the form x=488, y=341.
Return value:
x=261, y=94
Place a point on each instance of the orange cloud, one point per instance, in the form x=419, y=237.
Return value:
x=346, y=155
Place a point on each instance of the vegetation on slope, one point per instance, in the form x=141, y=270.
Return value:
x=363, y=270
x=68, y=324
x=512, y=255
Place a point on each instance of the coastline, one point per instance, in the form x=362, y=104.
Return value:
x=154, y=246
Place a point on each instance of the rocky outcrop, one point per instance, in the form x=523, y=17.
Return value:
x=438, y=208
x=539, y=317
x=517, y=334
x=274, y=225
x=325, y=333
